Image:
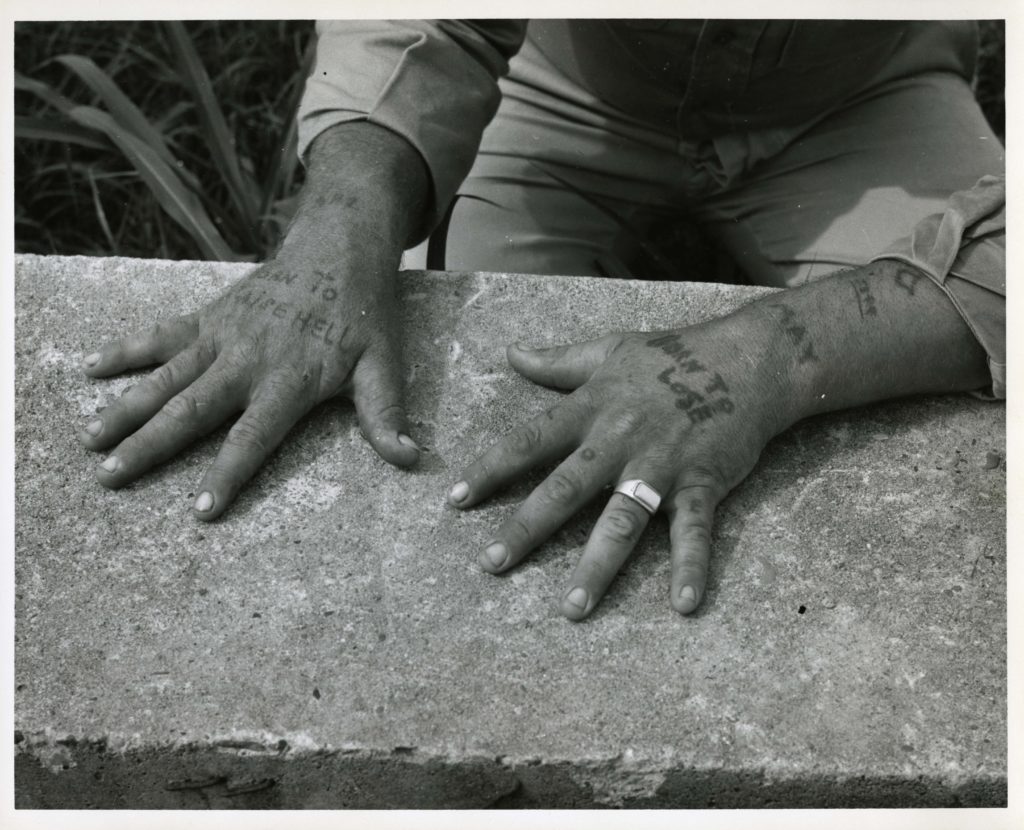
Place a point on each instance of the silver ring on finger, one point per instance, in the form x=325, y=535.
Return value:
x=642, y=493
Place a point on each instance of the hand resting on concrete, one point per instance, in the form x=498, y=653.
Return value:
x=689, y=412
x=318, y=320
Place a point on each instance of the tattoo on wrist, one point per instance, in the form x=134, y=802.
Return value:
x=695, y=403
x=796, y=333
x=865, y=299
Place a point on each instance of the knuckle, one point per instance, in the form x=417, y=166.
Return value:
x=612, y=342
x=702, y=477
x=162, y=379
x=525, y=440
x=560, y=489
x=247, y=434
x=284, y=387
x=621, y=526
x=694, y=569
x=519, y=530
x=182, y=408
x=391, y=412
x=628, y=422
x=243, y=354
x=697, y=535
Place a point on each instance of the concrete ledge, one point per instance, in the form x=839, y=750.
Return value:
x=331, y=643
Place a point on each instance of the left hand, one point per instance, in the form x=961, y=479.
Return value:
x=687, y=411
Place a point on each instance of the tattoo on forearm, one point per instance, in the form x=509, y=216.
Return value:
x=865, y=299
x=907, y=278
x=796, y=333
x=690, y=400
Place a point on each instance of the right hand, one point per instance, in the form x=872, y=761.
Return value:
x=296, y=331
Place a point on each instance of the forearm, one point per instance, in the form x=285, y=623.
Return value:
x=869, y=334
x=362, y=182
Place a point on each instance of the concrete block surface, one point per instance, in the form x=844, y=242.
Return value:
x=331, y=643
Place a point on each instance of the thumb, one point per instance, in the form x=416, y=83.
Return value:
x=377, y=395
x=563, y=367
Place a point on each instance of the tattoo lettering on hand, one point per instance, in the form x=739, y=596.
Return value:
x=319, y=327
x=259, y=301
x=865, y=299
x=672, y=345
x=796, y=333
x=692, y=402
x=908, y=278
x=271, y=274
x=327, y=292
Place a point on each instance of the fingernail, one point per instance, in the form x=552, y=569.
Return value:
x=406, y=441
x=688, y=595
x=496, y=554
x=91, y=360
x=94, y=427
x=459, y=492
x=111, y=464
x=204, y=502
x=577, y=597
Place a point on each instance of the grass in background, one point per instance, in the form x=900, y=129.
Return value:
x=177, y=141
x=157, y=139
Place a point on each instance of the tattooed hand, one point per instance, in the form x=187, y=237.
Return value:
x=686, y=411
x=316, y=321
x=281, y=340
x=689, y=412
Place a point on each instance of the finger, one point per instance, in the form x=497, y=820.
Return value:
x=563, y=367
x=196, y=411
x=561, y=495
x=142, y=401
x=551, y=435
x=278, y=405
x=691, y=512
x=609, y=546
x=157, y=344
x=377, y=394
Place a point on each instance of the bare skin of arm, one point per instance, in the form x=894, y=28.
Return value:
x=690, y=410
x=316, y=321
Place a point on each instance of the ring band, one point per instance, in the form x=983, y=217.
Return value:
x=642, y=493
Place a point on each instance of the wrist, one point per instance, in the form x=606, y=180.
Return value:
x=362, y=182
x=868, y=334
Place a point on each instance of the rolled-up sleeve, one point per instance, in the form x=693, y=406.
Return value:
x=432, y=82
x=963, y=249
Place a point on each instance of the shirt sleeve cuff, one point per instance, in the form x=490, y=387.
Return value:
x=963, y=250
x=432, y=82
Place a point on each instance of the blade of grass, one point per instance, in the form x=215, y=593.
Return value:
x=180, y=203
x=123, y=110
x=43, y=129
x=219, y=139
x=282, y=171
x=101, y=214
x=44, y=92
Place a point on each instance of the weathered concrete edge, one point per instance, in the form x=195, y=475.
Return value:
x=236, y=773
